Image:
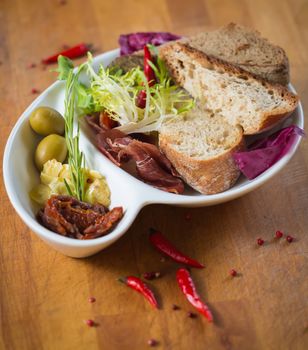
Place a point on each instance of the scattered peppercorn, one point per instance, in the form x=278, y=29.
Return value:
x=89, y=323
x=188, y=217
x=289, y=239
x=279, y=234
x=151, y=275
x=152, y=342
x=175, y=307
x=31, y=65
x=91, y=300
x=35, y=91
x=260, y=241
x=233, y=273
x=191, y=315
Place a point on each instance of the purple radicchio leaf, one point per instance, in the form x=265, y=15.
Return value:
x=263, y=153
x=130, y=43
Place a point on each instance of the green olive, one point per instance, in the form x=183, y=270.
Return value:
x=46, y=121
x=51, y=147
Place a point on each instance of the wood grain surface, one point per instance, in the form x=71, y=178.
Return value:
x=44, y=295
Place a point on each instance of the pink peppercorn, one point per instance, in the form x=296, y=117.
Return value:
x=152, y=342
x=188, y=217
x=31, y=65
x=279, y=234
x=289, y=239
x=91, y=300
x=151, y=275
x=89, y=323
x=260, y=241
x=233, y=273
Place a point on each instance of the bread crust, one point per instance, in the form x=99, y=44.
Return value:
x=210, y=62
x=209, y=176
x=243, y=38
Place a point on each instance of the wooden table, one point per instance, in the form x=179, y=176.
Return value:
x=44, y=295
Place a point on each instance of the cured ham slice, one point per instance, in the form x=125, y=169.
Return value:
x=152, y=166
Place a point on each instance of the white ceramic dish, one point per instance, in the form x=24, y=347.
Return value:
x=20, y=176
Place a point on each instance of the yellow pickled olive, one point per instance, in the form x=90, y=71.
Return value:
x=40, y=194
x=51, y=147
x=46, y=121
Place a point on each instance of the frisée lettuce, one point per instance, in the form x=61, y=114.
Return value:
x=115, y=93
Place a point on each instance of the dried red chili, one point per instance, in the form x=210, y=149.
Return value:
x=189, y=290
x=73, y=52
x=139, y=286
x=165, y=246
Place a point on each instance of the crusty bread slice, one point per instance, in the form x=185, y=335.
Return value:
x=200, y=146
x=246, y=48
x=236, y=44
x=242, y=98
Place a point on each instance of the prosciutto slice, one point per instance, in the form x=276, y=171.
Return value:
x=152, y=166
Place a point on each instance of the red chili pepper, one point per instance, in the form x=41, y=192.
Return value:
x=149, y=74
x=148, y=70
x=73, y=52
x=188, y=288
x=138, y=285
x=141, y=99
x=166, y=247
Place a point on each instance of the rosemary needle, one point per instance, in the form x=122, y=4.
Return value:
x=76, y=159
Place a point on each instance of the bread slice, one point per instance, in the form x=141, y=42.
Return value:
x=239, y=96
x=200, y=146
x=245, y=48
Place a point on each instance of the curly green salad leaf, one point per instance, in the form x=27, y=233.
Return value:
x=116, y=93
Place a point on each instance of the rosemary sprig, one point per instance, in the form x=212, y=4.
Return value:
x=76, y=158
